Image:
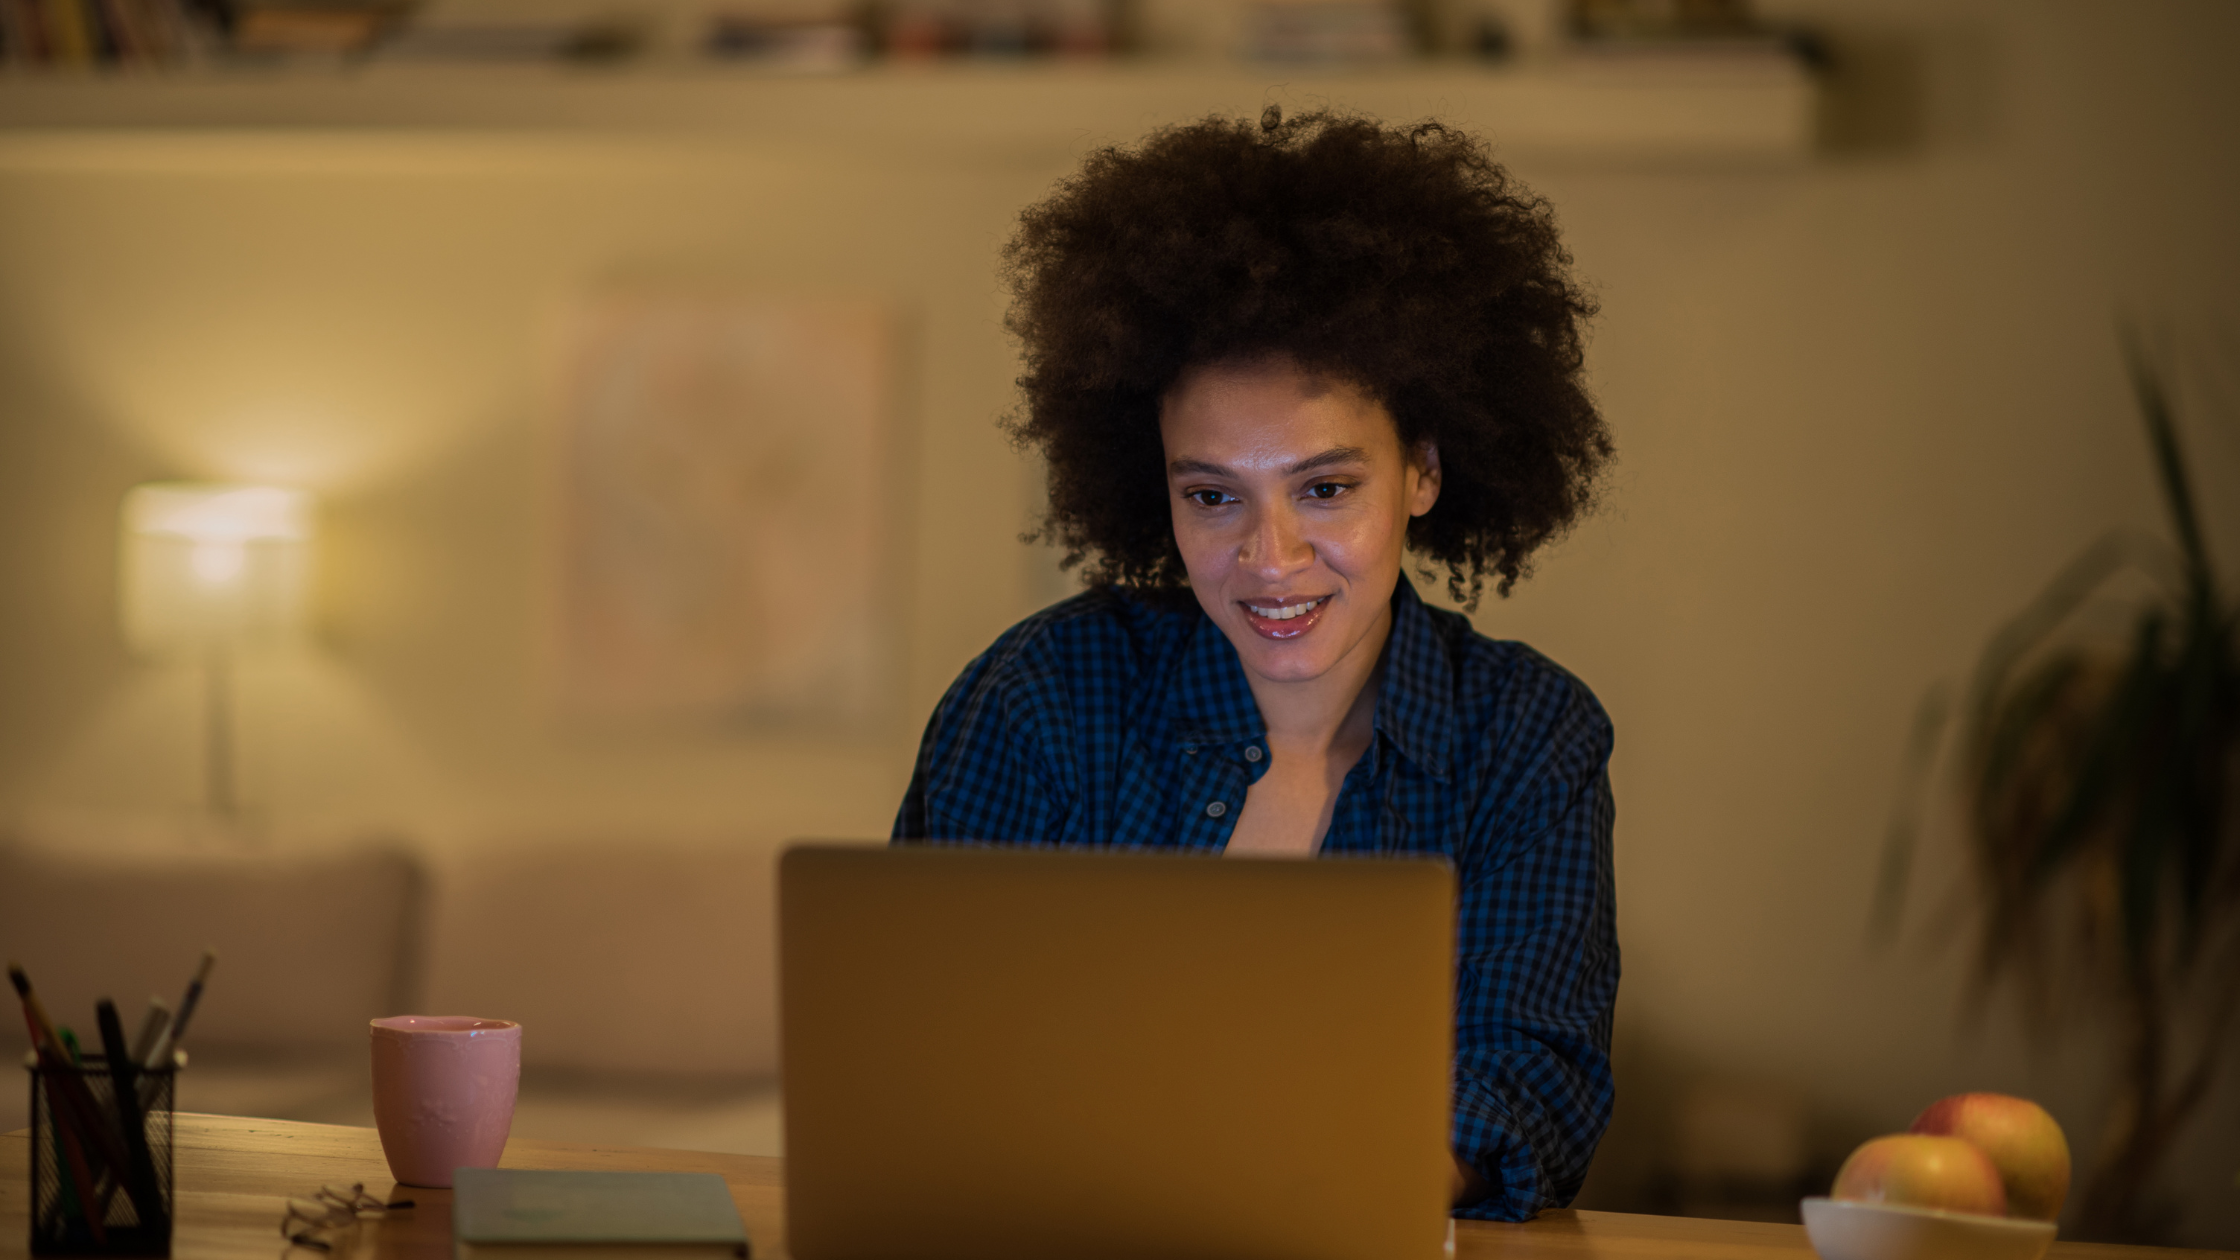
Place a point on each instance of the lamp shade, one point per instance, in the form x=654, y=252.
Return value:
x=214, y=566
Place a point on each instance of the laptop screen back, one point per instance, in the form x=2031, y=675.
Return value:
x=999, y=1053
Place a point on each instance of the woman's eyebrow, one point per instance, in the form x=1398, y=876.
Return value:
x=1199, y=466
x=1335, y=455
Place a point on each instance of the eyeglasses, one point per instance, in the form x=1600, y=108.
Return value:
x=325, y=1222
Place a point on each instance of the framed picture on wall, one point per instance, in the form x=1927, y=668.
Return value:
x=724, y=508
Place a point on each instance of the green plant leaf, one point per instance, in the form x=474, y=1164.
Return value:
x=2169, y=458
x=2118, y=732
x=2108, y=555
x=2100, y=809
x=2017, y=716
x=1902, y=835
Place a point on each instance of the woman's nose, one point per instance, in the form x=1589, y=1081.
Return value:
x=1276, y=546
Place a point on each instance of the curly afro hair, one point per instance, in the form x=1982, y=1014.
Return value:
x=1405, y=261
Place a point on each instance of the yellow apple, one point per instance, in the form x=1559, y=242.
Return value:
x=2024, y=1143
x=1922, y=1171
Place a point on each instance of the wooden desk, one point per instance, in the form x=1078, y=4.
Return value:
x=233, y=1173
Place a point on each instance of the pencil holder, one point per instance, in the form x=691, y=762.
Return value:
x=101, y=1159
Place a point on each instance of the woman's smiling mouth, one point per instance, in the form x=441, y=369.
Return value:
x=1284, y=620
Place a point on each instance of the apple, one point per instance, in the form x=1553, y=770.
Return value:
x=2024, y=1143
x=1920, y=1170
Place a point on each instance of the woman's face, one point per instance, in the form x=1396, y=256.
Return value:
x=1291, y=498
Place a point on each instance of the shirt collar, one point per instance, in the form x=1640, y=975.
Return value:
x=1209, y=700
x=1415, y=700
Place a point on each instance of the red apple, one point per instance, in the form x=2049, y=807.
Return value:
x=2023, y=1142
x=1922, y=1171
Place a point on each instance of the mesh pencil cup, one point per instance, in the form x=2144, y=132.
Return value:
x=100, y=1159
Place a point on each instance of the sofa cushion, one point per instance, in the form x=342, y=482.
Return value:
x=310, y=945
x=616, y=955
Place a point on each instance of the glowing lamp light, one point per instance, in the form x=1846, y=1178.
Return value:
x=211, y=568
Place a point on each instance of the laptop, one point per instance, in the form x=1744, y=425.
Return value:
x=1007, y=1054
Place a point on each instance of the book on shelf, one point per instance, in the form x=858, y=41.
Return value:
x=1326, y=31
x=90, y=34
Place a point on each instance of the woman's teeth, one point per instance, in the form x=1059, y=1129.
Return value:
x=1287, y=613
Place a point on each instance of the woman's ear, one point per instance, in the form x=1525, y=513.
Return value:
x=1424, y=462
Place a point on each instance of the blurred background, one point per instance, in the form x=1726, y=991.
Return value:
x=489, y=286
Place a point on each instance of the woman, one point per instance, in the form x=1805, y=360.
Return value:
x=1263, y=363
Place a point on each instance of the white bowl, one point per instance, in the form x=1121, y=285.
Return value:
x=1842, y=1229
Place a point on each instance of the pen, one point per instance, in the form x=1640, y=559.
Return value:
x=156, y=1057
x=140, y=1183
x=152, y=1025
x=194, y=994
x=145, y=1048
x=103, y=1186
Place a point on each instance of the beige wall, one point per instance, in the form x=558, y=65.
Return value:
x=1864, y=409
x=373, y=329
x=1864, y=413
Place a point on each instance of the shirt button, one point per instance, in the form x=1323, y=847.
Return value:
x=1215, y=809
x=1252, y=752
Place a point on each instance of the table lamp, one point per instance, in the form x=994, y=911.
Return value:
x=210, y=571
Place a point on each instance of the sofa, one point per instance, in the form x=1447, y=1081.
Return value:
x=642, y=969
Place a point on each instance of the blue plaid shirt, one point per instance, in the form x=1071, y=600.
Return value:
x=1112, y=719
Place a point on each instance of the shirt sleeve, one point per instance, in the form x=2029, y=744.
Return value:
x=985, y=769
x=1537, y=970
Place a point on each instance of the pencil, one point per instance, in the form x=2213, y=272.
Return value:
x=79, y=1188
x=100, y=1207
x=34, y=1014
x=65, y=1104
x=56, y=1055
x=103, y=1187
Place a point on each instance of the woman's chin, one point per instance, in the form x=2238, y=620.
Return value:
x=1301, y=659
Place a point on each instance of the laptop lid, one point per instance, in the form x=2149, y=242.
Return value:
x=1012, y=1053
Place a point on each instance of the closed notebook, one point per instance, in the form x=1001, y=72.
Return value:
x=525, y=1214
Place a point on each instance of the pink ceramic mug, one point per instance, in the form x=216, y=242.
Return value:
x=443, y=1088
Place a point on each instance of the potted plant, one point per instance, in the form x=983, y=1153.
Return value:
x=2095, y=776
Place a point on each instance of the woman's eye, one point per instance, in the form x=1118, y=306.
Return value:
x=1325, y=490
x=1208, y=498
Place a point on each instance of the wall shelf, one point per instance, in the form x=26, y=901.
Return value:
x=1724, y=111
